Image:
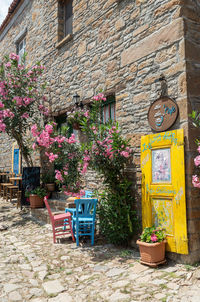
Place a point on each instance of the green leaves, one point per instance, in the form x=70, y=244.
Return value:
x=195, y=116
x=118, y=220
x=153, y=234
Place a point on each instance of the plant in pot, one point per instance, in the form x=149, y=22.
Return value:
x=152, y=246
x=36, y=197
x=48, y=179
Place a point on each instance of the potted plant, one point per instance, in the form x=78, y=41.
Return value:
x=48, y=180
x=36, y=197
x=152, y=246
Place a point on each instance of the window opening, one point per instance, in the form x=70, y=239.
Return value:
x=21, y=49
x=108, y=109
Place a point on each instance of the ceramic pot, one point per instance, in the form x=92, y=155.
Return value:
x=152, y=254
x=51, y=187
x=36, y=201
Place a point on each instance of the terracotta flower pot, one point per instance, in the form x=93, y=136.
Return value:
x=36, y=201
x=152, y=254
x=50, y=187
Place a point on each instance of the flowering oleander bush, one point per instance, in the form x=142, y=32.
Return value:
x=196, y=122
x=195, y=178
x=21, y=101
x=109, y=152
x=64, y=152
x=153, y=234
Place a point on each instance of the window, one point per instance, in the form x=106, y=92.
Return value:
x=65, y=16
x=61, y=121
x=21, y=48
x=68, y=18
x=108, y=109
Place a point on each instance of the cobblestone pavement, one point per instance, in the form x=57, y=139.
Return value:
x=34, y=269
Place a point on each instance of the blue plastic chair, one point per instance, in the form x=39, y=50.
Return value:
x=84, y=218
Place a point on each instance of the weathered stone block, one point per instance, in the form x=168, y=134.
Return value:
x=165, y=36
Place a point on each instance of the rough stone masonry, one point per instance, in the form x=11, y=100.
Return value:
x=122, y=47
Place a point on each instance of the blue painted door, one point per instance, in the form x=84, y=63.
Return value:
x=16, y=161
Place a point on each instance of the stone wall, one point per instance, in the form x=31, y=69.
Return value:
x=5, y=152
x=122, y=47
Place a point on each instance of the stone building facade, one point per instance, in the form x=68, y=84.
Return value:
x=122, y=47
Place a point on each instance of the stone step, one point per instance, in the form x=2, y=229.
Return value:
x=60, y=204
x=40, y=214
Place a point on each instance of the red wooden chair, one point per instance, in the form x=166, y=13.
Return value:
x=61, y=223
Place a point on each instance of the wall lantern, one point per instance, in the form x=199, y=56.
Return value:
x=76, y=100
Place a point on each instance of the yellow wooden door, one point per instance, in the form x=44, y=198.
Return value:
x=163, y=186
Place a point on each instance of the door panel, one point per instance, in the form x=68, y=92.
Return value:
x=163, y=186
x=16, y=159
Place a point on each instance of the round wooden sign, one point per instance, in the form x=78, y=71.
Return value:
x=162, y=114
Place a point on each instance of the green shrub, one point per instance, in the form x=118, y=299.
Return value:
x=118, y=222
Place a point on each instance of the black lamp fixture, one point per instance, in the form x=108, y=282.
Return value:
x=76, y=100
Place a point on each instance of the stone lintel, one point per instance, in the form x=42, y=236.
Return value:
x=162, y=38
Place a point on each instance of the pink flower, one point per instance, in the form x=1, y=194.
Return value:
x=46, y=112
x=86, y=114
x=86, y=158
x=198, y=149
x=67, y=193
x=124, y=154
x=8, y=65
x=1, y=105
x=25, y=115
x=13, y=56
x=197, y=161
x=99, y=97
x=18, y=100
x=8, y=113
x=84, y=168
x=58, y=176
x=2, y=127
x=195, y=181
x=49, y=128
x=27, y=101
x=154, y=238
x=82, y=193
x=34, y=130
x=72, y=139
x=41, y=107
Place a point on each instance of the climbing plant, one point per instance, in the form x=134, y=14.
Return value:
x=21, y=101
x=196, y=122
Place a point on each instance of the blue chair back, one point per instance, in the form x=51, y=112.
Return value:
x=86, y=208
x=84, y=220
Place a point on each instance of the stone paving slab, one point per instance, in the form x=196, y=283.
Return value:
x=34, y=269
